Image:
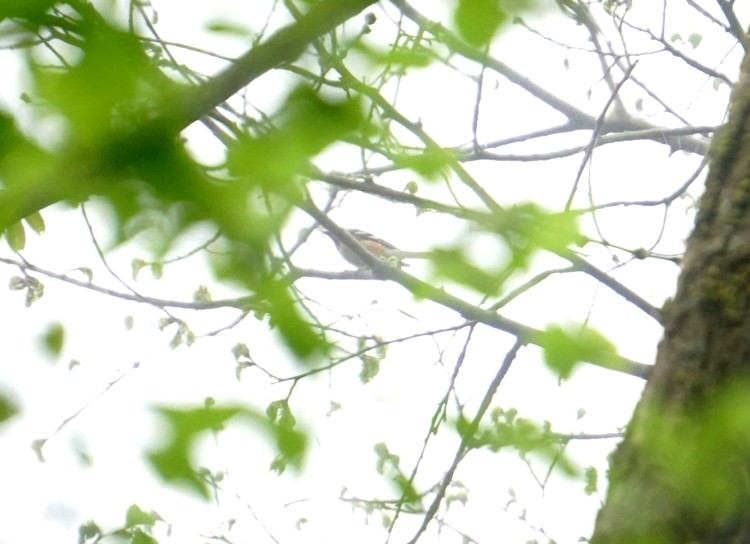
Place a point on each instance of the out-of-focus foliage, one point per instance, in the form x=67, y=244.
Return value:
x=7, y=408
x=111, y=101
x=173, y=461
x=564, y=347
x=691, y=452
x=506, y=430
x=137, y=529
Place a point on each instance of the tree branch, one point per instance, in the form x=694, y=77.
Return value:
x=284, y=46
x=78, y=174
x=470, y=312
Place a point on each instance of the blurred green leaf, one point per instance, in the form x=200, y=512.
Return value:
x=506, y=430
x=54, y=338
x=566, y=347
x=284, y=315
x=228, y=27
x=36, y=222
x=202, y=294
x=591, y=477
x=454, y=264
x=173, y=461
x=139, y=537
x=307, y=125
x=21, y=160
x=406, y=56
x=527, y=227
x=290, y=442
x=98, y=94
x=697, y=450
x=370, y=367
x=136, y=265
x=457, y=492
x=478, y=20
x=88, y=531
x=388, y=464
x=15, y=235
x=240, y=351
x=291, y=445
x=32, y=10
x=409, y=494
x=385, y=458
x=427, y=162
x=278, y=413
x=136, y=516
x=7, y=408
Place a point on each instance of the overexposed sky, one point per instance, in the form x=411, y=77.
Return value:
x=95, y=466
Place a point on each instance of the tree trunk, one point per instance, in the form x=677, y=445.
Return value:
x=682, y=473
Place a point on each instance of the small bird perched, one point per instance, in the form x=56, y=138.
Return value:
x=380, y=248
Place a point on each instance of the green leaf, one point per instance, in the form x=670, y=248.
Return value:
x=527, y=229
x=34, y=290
x=591, y=477
x=88, y=531
x=241, y=351
x=22, y=163
x=385, y=458
x=202, y=294
x=307, y=125
x=17, y=283
x=698, y=448
x=402, y=56
x=284, y=315
x=36, y=222
x=139, y=537
x=695, y=39
x=290, y=443
x=228, y=27
x=136, y=516
x=31, y=10
x=454, y=264
x=507, y=430
x=96, y=93
x=478, y=20
x=15, y=235
x=388, y=464
x=278, y=413
x=370, y=368
x=7, y=408
x=457, y=492
x=566, y=347
x=173, y=461
x=54, y=338
x=428, y=162
x=409, y=493
x=527, y=226
x=136, y=265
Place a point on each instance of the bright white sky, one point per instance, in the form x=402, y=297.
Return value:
x=46, y=502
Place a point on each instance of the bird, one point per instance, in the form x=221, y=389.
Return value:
x=380, y=248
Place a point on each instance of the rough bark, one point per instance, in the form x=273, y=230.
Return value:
x=682, y=473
